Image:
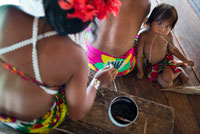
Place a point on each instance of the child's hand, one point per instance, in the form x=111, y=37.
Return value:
x=140, y=75
x=190, y=63
x=180, y=63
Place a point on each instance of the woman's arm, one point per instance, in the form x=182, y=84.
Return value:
x=140, y=47
x=80, y=98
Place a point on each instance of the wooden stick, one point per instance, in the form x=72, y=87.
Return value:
x=184, y=89
x=145, y=124
x=123, y=119
x=115, y=86
x=126, y=120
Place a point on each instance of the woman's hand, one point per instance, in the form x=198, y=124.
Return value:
x=106, y=75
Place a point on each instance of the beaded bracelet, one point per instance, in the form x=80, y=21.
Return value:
x=96, y=83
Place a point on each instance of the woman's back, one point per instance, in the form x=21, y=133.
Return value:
x=117, y=34
x=40, y=51
x=19, y=98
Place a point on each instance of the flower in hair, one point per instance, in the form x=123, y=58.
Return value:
x=66, y=4
x=86, y=10
x=111, y=6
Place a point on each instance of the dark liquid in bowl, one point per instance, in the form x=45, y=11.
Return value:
x=124, y=108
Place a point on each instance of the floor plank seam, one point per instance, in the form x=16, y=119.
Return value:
x=196, y=116
x=179, y=44
x=194, y=10
x=65, y=131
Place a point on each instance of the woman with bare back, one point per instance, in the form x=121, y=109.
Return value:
x=156, y=43
x=115, y=38
x=44, y=74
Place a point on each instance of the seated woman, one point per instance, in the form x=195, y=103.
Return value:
x=115, y=38
x=51, y=71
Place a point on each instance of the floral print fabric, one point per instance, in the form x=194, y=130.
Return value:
x=154, y=70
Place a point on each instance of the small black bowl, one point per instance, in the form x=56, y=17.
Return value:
x=123, y=111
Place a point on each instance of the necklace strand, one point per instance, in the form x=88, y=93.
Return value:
x=151, y=47
x=150, y=55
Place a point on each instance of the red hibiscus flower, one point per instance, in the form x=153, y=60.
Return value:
x=86, y=10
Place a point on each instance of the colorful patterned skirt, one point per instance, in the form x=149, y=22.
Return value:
x=154, y=70
x=98, y=60
x=49, y=121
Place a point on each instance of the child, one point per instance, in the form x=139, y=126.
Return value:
x=156, y=43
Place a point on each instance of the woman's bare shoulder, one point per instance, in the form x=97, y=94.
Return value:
x=10, y=10
x=60, y=53
x=13, y=15
x=65, y=49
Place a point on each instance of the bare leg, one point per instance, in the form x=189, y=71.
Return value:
x=162, y=82
x=183, y=76
x=166, y=77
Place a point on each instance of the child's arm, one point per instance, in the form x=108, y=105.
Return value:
x=174, y=50
x=140, y=47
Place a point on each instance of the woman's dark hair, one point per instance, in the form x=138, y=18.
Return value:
x=163, y=12
x=56, y=17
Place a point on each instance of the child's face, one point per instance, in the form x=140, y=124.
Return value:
x=161, y=27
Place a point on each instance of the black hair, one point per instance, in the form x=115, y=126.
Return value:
x=56, y=17
x=163, y=12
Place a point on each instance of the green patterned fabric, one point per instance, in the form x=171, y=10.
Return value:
x=46, y=123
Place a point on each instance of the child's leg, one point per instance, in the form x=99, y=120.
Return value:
x=167, y=76
x=183, y=76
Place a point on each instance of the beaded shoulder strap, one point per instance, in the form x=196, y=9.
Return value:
x=26, y=42
x=35, y=57
x=33, y=41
